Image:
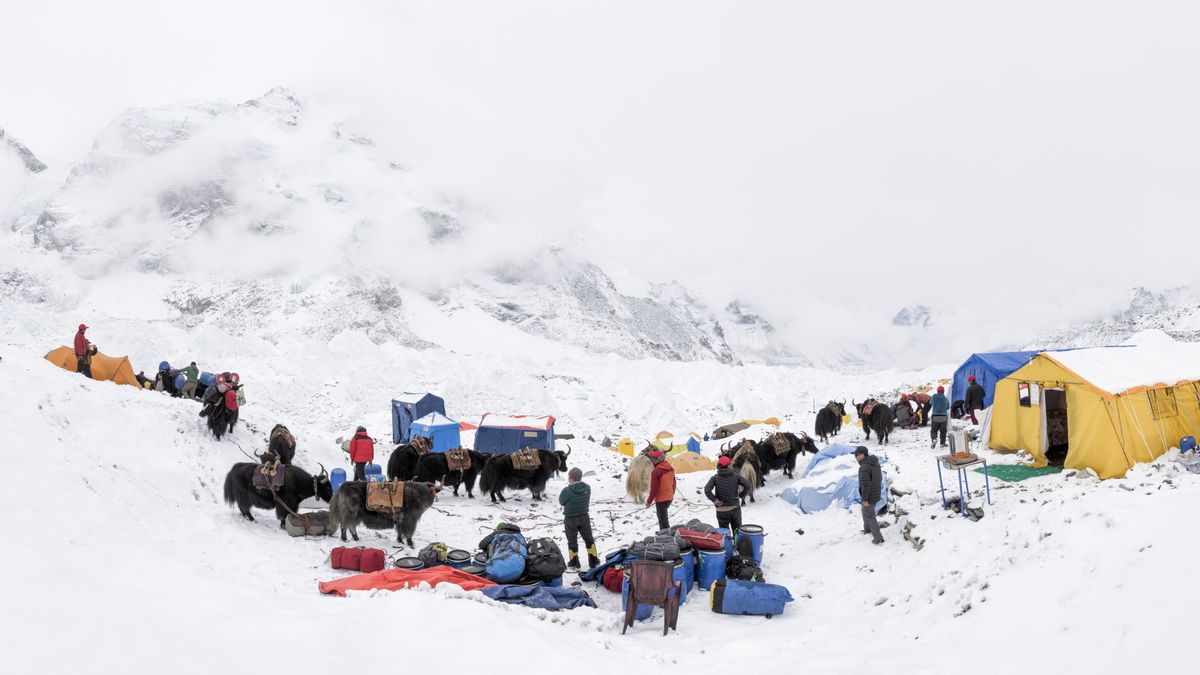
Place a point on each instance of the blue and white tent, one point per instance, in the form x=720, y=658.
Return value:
x=443, y=431
x=410, y=407
x=988, y=369
x=501, y=435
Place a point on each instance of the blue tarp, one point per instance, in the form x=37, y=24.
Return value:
x=844, y=489
x=540, y=597
x=988, y=369
x=443, y=431
x=409, y=408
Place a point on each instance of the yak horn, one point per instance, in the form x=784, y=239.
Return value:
x=568, y=450
x=323, y=473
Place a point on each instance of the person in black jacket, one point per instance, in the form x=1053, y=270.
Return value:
x=870, y=484
x=974, y=398
x=725, y=490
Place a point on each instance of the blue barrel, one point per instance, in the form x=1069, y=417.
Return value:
x=458, y=559
x=689, y=565
x=711, y=568
x=728, y=542
x=208, y=379
x=336, y=478
x=179, y=381
x=163, y=365
x=643, y=612
x=681, y=575
x=374, y=472
x=1187, y=444
x=755, y=534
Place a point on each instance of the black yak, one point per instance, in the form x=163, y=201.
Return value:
x=281, y=446
x=349, y=510
x=829, y=420
x=435, y=468
x=402, y=464
x=771, y=459
x=878, y=418
x=298, y=485
x=746, y=462
x=499, y=474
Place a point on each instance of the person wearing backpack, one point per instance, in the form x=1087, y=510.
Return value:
x=725, y=490
x=662, y=487
x=577, y=522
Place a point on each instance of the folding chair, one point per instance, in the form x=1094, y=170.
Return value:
x=651, y=582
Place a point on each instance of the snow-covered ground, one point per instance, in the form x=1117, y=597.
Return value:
x=135, y=562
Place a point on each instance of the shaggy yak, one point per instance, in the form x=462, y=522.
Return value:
x=402, y=465
x=771, y=459
x=637, y=479
x=435, y=468
x=499, y=474
x=746, y=462
x=878, y=418
x=349, y=510
x=298, y=485
x=829, y=420
x=282, y=446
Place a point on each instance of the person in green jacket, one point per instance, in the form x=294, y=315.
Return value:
x=192, y=373
x=574, y=499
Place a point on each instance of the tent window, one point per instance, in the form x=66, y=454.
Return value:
x=1162, y=403
x=1028, y=394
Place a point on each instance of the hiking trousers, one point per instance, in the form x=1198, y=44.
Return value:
x=937, y=426
x=82, y=366
x=576, y=527
x=870, y=524
x=661, y=509
x=189, y=389
x=360, y=471
x=730, y=519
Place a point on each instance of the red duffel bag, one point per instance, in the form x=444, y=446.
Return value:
x=344, y=558
x=372, y=560
x=704, y=541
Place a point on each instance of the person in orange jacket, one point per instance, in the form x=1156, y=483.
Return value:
x=362, y=450
x=662, y=487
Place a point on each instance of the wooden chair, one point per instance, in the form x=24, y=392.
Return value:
x=651, y=582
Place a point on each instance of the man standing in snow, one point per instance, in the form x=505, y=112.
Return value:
x=939, y=416
x=870, y=484
x=974, y=398
x=83, y=362
x=575, y=499
x=192, y=374
x=662, y=487
x=362, y=450
x=725, y=490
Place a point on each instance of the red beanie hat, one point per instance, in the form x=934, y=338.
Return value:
x=941, y=389
x=724, y=461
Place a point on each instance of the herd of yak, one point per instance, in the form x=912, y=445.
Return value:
x=425, y=474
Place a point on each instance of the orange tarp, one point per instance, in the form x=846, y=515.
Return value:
x=398, y=580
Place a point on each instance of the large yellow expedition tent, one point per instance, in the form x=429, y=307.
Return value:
x=1107, y=407
x=111, y=368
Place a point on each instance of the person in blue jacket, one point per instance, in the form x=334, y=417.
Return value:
x=939, y=417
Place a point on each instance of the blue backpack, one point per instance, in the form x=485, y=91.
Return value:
x=506, y=558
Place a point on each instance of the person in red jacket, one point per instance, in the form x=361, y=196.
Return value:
x=231, y=406
x=662, y=487
x=82, y=362
x=362, y=450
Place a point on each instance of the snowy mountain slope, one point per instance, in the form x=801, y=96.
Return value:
x=1175, y=312
x=152, y=552
x=253, y=210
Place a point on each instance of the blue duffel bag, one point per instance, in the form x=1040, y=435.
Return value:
x=733, y=596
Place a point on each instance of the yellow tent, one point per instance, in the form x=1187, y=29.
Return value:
x=625, y=447
x=1108, y=407
x=773, y=421
x=688, y=462
x=665, y=434
x=112, y=368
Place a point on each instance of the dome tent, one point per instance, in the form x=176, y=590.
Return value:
x=108, y=368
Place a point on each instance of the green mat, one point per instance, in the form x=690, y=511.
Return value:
x=1017, y=472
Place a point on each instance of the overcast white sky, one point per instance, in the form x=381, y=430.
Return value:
x=1043, y=156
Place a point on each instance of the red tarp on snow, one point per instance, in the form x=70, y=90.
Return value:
x=397, y=580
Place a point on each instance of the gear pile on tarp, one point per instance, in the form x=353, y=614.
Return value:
x=837, y=470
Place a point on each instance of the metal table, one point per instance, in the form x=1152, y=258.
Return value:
x=964, y=488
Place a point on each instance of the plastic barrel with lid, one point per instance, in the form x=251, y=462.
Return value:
x=374, y=473
x=477, y=570
x=689, y=564
x=710, y=569
x=728, y=542
x=1187, y=444
x=680, y=574
x=336, y=478
x=458, y=558
x=409, y=563
x=755, y=534
x=208, y=379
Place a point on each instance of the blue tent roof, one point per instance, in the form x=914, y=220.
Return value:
x=988, y=369
x=443, y=431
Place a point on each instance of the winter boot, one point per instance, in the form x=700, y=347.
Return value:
x=593, y=559
x=573, y=563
